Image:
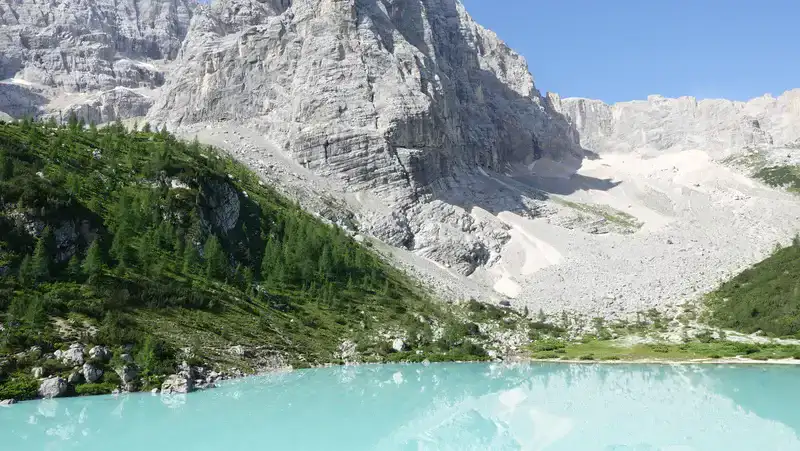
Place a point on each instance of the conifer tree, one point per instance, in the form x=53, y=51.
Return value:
x=40, y=262
x=6, y=166
x=191, y=257
x=93, y=263
x=74, y=267
x=216, y=262
x=25, y=275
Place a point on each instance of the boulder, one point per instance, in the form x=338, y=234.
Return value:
x=128, y=373
x=73, y=355
x=127, y=358
x=75, y=377
x=100, y=353
x=91, y=373
x=37, y=372
x=8, y=402
x=177, y=383
x=52, y=387
x=398, y=344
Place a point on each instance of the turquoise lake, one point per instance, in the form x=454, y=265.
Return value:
x=436, y=407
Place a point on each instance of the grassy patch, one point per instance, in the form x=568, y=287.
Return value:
x=780, y=176
x=611, y=215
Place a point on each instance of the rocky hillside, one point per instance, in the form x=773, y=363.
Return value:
x=156, y=253
x=407, y=122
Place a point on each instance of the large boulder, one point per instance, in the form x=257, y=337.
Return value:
x=128, y=373
x=177, y=383
x=73, y=356
x=91, y=373
x=52, y=387
x=100, y=353
x=7, y=402
x=75, y=377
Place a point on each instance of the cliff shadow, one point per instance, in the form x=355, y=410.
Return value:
x=504, y=148
x=20, y=101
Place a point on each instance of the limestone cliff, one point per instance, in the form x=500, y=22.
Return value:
x=83, y=45
x=388, y=95
x=717, y=126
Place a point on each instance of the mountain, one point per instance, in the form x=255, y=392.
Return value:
x=658, y=123
x=405, y=121
x=165, y=252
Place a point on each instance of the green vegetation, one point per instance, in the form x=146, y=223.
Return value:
x=101, y=388
x=781, y=176
x=19, y=387
x=604, y=350
x=765, y=297
x=165, y=245
x=611, y=215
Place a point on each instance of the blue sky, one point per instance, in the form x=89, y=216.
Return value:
x=617, y=50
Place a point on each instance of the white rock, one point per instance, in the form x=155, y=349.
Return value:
x=177, y=383
x=398, y=344
x=52, y=387
x=37, y=372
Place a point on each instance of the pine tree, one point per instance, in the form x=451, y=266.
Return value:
x=25, y=275
x=146, y=128
x=216, y=262
x=74, y=267
x=191, y=258
x=248, y=278
x=93, y=264
x=40, y=263
x=6, y=166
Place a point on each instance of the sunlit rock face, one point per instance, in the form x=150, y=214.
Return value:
x=438, y=407
x=85, y=45
x=659, y=123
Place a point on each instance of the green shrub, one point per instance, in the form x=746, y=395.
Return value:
x=548, y=345
x=19, y=387
x=658, y=347
x=586, y=357
x=95, y=389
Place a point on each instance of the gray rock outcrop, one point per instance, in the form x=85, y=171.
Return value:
x=73, y=356
x=659, y=123
x=177, y=384
x=8, y=402
x=108, y=106
x=83, y=45
x=91, y=373
x=100, y=352
x=52, y=387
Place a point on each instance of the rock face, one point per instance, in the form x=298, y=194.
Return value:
x=389, y=95
x=108, y=106
x=658, y=123
x=400, y=99
x=177, y=383
x=52, y=387
x=83, y=45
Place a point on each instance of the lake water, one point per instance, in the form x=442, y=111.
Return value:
x=436, y=407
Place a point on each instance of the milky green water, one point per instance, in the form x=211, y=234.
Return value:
x=447, y=407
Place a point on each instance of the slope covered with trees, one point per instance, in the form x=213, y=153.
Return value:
x=765, y=297
x=117, y=237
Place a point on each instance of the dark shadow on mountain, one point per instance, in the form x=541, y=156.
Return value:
x=481, y=137
x=566, y=186
x=20, y=101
